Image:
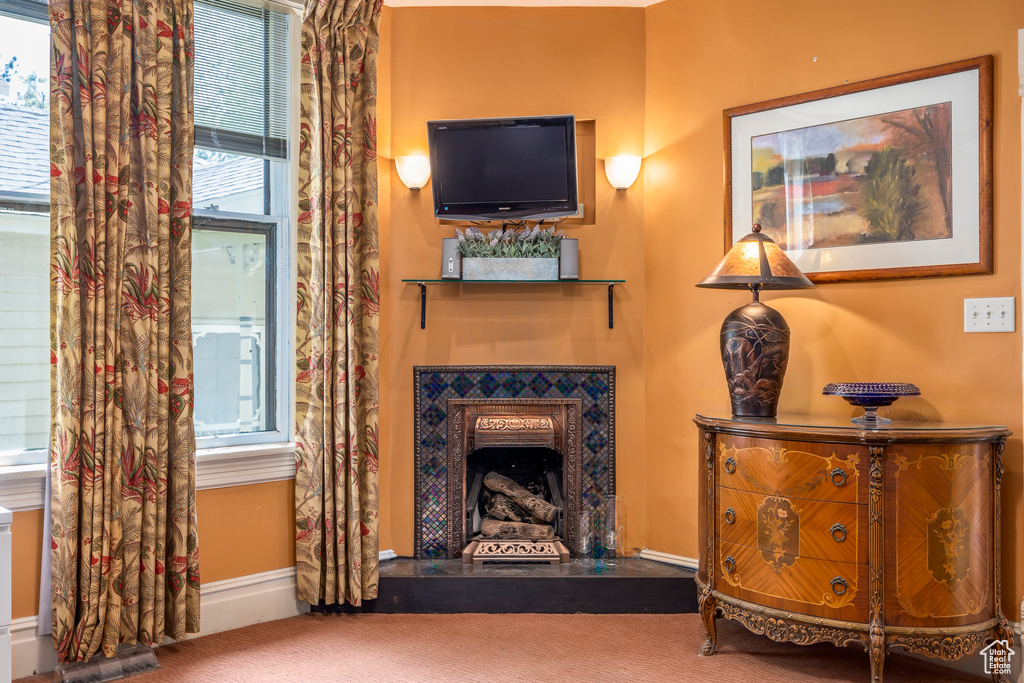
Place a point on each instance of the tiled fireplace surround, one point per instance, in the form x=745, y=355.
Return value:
x=444, y=394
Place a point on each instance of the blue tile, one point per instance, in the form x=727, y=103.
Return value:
x=566, y=384
x=540, y=385
x=594, y=415
x=595, y=386
x=513, y=385
x=434, y=385
x=488, y=385
x=595, y=441
x=433, y=416
x=462, y=385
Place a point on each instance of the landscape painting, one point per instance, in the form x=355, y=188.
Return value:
x=876, y=179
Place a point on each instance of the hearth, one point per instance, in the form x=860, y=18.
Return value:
x=510, y=456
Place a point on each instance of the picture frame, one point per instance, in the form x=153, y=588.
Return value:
x=881, y=179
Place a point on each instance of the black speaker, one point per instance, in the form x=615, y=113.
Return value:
x=451, y=263
x=569, y=261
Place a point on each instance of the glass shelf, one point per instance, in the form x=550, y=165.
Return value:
x=452, y=281
x=423, y=282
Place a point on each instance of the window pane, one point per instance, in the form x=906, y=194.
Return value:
x=229, y=332
x=228, y=182
x=24, y=331
x=24, y=106
x=241, y=75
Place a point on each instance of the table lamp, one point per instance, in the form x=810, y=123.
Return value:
x=755, y=338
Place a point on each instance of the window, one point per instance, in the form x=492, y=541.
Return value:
x=240, y=200
x=24, y=232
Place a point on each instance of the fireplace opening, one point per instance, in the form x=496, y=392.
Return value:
x=536, y=469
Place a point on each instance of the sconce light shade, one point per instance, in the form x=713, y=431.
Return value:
x=622, y=171
x=413, y=170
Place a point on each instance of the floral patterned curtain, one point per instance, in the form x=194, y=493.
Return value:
x=125, y=565
x=338, y=305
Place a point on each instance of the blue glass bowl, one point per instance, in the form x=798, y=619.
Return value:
x=870, y=396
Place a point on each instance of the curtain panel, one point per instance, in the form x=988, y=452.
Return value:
x=338, y=305
x=124, y=544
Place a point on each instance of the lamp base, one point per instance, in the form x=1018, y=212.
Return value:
x=755, y=352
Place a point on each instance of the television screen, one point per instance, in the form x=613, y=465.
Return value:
x=495, y=169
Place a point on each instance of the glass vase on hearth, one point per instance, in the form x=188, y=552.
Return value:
x=613, y=521
x=585, y=541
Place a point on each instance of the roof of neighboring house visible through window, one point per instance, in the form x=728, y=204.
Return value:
x=25, y=162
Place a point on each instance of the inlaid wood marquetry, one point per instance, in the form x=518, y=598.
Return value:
x=943, y=509
x=803, y=584
x=823, y=530
x=791, y=469
x=829, y=532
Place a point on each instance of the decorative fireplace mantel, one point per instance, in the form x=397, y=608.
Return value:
x=568, y=409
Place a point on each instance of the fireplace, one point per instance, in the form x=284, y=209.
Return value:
x=550, y=429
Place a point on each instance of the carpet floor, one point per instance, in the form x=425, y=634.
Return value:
x=495, y=648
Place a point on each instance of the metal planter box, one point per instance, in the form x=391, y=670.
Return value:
x=509, y=269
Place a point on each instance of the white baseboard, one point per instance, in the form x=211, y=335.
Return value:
x=225, y=605
x=252, y=599
x=657, y=556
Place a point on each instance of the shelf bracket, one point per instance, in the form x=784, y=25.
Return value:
x=611, y=307
x=423, y=306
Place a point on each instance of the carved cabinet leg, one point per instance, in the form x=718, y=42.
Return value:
x=707, y=604
x=1002, y=631
x=877, y=656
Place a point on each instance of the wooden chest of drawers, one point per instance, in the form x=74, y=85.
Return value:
x=821, y=530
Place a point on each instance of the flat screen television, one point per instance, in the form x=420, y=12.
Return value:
x=503, y=169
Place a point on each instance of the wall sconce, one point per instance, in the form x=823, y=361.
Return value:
x=622, y=171
x=413, y=170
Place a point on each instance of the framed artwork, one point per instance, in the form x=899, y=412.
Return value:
x=886, y=178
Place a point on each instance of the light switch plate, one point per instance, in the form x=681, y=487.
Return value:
x=996, y=314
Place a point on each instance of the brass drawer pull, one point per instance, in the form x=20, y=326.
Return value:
x=730, y=516
x=840, y=474
x=730, y=564
x=839, y=585
x=730, y=465
x=841, y=535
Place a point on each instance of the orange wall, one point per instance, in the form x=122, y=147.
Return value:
x=246, y=529
x=27, y=552
x=461, y=62
x=242, y=530
x=705, y=57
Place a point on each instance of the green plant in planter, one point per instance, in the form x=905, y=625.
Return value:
x=523, y=243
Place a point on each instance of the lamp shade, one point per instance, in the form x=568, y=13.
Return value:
x=756, y=260
x=413, y=170
x=621, y=171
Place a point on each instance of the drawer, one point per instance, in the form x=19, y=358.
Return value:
x=800, y=584
x=794, y=526
x=791, y=469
